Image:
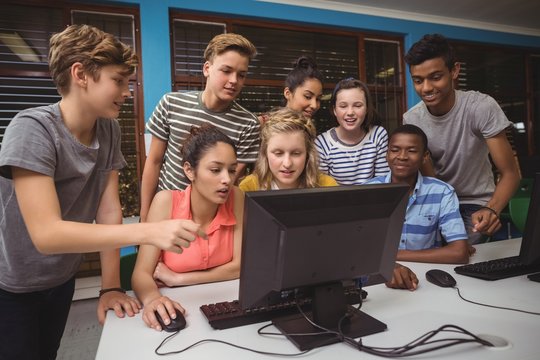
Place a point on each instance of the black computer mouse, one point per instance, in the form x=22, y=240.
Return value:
x=440, y=278
x=175, y=325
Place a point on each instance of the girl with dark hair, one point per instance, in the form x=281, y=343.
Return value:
x=303, y=88
x=355, y=150
x=212, y=201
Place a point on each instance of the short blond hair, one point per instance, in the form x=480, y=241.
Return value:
x=229, y=42
x=283, y=121
x=91, y=47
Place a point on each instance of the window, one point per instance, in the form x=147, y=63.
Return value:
x=123, y=27
x=24, y=46
x=189, y=42
x=25, y=80
x=279, y=45
x=384, y=76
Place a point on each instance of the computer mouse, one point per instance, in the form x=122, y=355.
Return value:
x=440, y=278
x=175, y=325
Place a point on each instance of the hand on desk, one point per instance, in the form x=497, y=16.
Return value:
x=403, y=278
x=119, y=302
x=166, y=309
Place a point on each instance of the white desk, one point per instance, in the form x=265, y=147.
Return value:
x=407, y=315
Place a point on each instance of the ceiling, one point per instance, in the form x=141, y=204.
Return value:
x=514, y=16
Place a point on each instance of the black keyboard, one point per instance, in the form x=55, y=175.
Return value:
x=497, y=269
x=228, y=314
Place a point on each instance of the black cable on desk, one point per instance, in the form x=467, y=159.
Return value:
x=221, y=342
x=421, y=345
x=494, y=306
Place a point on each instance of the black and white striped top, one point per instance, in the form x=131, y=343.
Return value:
x=353, y=164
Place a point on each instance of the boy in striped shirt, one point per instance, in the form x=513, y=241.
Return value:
x=433, y=207
x=227, y=58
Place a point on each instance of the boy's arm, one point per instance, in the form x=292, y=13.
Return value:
x=150, y=176
x=50, y=234
x=456, y=252
x=484, y=220
x=110, y=212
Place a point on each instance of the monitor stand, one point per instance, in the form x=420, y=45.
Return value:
x=329, y=306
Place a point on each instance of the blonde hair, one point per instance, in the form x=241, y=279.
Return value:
x=283, y=121
x=91, y=47
x=229, y=42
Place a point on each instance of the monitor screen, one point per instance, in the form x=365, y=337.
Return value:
x=304, y=240
x=530, y=244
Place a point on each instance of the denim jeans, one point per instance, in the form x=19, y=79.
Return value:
x=32, y=324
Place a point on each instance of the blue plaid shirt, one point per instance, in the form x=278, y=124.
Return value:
x=432, y=211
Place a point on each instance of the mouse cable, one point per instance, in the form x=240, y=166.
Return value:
x=494, y=306
x=401, y=351
x=157, y=350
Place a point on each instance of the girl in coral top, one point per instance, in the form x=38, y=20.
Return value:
x=211, y=201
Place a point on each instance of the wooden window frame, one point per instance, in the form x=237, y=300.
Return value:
x=231, y=23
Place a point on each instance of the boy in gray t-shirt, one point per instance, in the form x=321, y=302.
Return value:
x=59, y=174
x=463, y=128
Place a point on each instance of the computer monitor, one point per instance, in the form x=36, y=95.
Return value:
x=307, y=242
x=529, y=253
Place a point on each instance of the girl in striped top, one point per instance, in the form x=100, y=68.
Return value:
x=355, y=150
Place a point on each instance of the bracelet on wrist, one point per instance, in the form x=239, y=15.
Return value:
x=490, y=209
x=103, y=291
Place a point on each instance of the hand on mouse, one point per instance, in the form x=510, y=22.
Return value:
x=165, y=308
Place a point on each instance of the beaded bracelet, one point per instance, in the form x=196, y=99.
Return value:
x=103, y=291
x=490, y=209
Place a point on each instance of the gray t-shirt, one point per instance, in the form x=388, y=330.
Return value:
x=37, y=140
x=457, y=141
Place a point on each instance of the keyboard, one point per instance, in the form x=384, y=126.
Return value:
x=229, y=314
x=497, y=269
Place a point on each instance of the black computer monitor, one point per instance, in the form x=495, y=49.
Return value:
x=529, y=253
x=307, y=242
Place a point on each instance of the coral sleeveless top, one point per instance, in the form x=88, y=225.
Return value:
x=203, y=254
